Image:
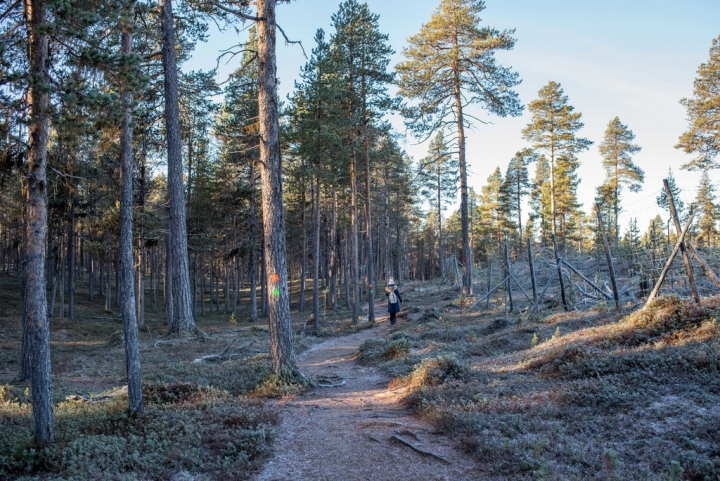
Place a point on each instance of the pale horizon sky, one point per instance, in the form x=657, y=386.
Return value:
x=634, y=59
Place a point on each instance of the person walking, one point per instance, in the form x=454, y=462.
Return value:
x=394, y=300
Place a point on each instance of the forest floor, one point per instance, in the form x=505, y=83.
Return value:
x=485, y=393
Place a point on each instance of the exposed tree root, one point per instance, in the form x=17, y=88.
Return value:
x=400, y=440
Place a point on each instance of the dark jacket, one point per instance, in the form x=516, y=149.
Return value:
x=393, y=307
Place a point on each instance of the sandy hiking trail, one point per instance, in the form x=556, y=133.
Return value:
x=344, y=433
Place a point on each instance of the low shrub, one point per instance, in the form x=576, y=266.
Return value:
x=373, y=350
x=434, y=371
x=184, y=427
x=240, y=376
x=282, y=385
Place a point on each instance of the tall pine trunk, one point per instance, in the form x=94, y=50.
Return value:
x=331, y=300
x=71, y=265
x=168, y=298
x=354, y=247
x=467, y=259
x=440, y=237
x=127, y=300
x=346, y=268
x=388, y=257
x=281, y=348
x=253, y=246
x=316, y=253
x=368, y=228
x=303, y=260
x=38, y=100
x=182, y=319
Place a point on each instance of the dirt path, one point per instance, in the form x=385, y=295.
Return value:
x=344, y=433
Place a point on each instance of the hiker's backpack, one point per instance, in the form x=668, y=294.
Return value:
x=393, y=298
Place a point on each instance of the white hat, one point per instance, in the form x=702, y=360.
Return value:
x=391, y=281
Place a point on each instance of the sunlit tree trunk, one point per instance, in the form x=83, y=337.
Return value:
x=281, y=348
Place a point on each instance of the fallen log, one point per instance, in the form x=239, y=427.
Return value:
x=222, y=356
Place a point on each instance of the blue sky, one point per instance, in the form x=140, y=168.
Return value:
x=634, y=59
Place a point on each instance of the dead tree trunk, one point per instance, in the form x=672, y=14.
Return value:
x=182, y=300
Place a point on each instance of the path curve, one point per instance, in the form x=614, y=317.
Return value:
x=344, y=433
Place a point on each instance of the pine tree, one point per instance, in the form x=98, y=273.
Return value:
x=315, y=119
x=617, y=149
x=449, y=65
x=708, y=212
x=516, y=187
x=275, y=258
x=38, y=99
x=182, y=318
x=553, y=129
x=437, y=179
x=703, y=136
x=631, y=239
x=234, y=127
x=363, y=55
x=540, y=198
x=128, y=306
x=491, y=229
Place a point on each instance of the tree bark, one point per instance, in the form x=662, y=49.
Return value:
x=467, y=260
x=127, y=274
x=354, y=247
x=91, y=279
x=331, y=300
x=182, y=300
x=441, y=257
x=169, y=279
x=71, y=265
x=346, y=269
x=316, y=253
x=62, y=271
x=140, y=282
x=368, y=228
x=108, y=288
x=26, y=347
x=281, y=348
x=253, y=246
x=36, y=225
x=226, y=272
x=303, y=260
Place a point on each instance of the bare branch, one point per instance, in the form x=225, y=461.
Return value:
x=288, y=41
